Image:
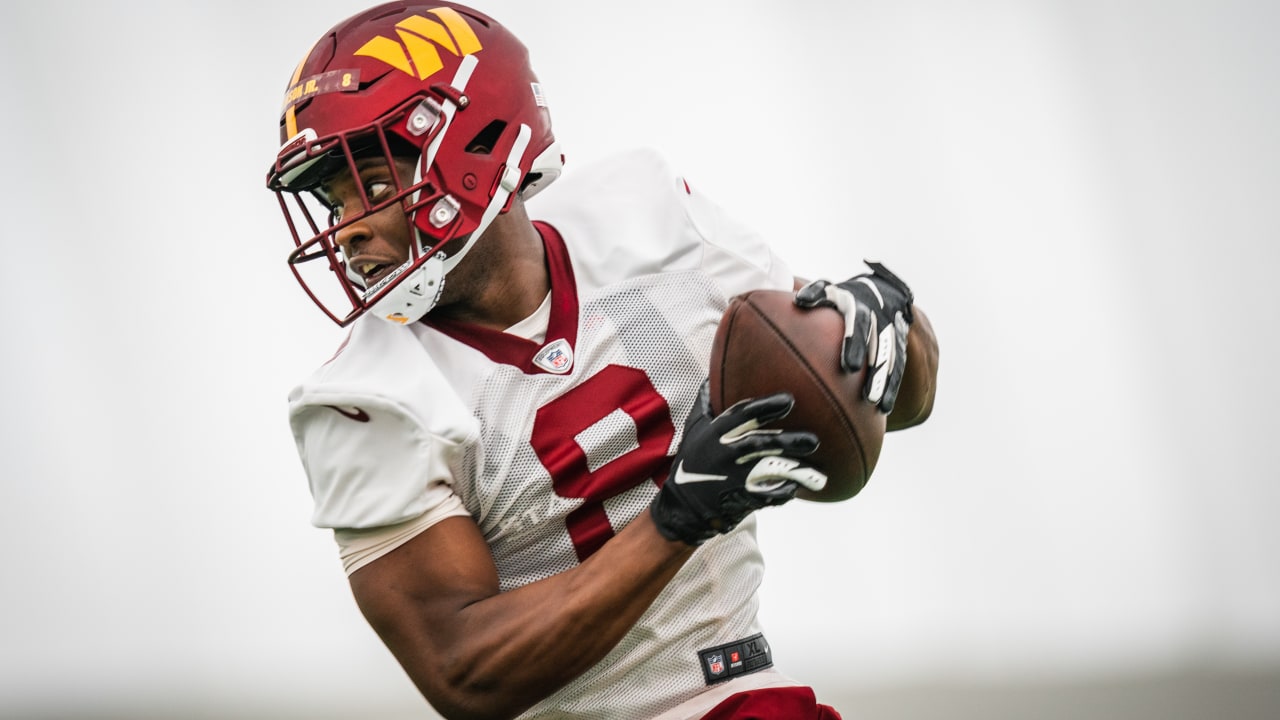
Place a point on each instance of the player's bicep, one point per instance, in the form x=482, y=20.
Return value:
x=414, y=597
x=447, y=565
x=358, y=548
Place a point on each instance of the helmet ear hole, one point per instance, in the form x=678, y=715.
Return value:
x=487, y=139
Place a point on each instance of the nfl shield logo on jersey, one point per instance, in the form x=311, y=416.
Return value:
x=556, y=357
x=715, y=664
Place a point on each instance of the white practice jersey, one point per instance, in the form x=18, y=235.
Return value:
x=552, y=444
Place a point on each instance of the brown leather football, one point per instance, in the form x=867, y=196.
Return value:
x=765, y=344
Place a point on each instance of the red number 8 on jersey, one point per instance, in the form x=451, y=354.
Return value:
x=554, y=439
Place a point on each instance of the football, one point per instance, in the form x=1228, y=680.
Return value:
x=765, y=344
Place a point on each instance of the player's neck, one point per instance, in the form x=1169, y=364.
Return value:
x=504, y=278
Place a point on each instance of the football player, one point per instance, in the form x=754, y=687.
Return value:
x=537, y=512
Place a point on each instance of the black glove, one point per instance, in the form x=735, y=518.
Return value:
x=877, y=317
x=729, y=466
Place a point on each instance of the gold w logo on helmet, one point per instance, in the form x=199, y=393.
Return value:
x=417, y=52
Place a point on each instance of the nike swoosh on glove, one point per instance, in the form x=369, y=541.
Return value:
x=730, y=465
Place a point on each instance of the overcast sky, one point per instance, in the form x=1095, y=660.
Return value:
x=1083, y=195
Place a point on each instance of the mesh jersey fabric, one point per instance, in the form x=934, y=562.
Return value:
x=549, y=464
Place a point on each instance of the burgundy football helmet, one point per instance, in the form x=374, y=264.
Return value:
x=436, y=81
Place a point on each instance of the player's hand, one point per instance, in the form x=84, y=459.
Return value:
x=877, y=317
x=729, y=466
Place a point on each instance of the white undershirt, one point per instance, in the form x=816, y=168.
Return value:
x=534, y=327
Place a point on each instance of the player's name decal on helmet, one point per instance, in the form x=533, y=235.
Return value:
x=332, y=81
x=416, y=52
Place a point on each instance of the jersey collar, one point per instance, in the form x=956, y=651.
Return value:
x=554, y=356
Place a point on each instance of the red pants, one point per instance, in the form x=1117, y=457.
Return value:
x=788, y=703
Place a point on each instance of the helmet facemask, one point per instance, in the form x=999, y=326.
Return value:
x=317, y=261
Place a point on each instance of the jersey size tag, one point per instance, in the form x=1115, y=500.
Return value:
x=739, y=657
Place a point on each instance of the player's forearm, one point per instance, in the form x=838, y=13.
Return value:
x=511, y=650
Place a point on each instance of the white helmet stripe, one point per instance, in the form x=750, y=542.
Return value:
x=460, y=80
x=448, y=109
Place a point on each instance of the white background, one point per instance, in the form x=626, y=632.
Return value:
x=1082, y=193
